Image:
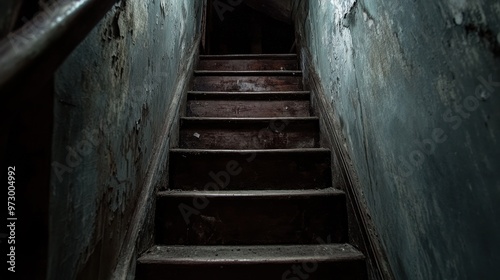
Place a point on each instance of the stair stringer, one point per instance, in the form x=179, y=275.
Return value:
x=362, y=231
x=140, y=235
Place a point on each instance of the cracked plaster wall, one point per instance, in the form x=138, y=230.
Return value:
x=415, y=87
x=111, y=102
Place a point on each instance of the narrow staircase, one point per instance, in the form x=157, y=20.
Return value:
x=251, y=193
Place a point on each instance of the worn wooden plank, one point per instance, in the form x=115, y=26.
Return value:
x=260, y=169
x=249, y=133
x=248, y=104
x=290, y=56
x=247, y=64
x=247, y=108
x=321, y=261
x=247, y=83
x=261, y=96
x=248, y=73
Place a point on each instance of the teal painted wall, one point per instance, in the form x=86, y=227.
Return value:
x=111, y=102
x=415, y=86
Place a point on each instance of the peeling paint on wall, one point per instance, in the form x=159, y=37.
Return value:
x=415, y=86
x=119, y=83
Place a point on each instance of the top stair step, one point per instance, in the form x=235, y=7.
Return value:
x=290, y=56
x=248, y=62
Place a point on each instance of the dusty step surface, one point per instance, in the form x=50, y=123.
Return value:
x=322, y=261
x=248, y=104
x=248, y=73
x=290, y=56
x=249, y=133
x=224, y=63
x=247, y=83
x=261, y=96
x=192, y=169
x=250, y=217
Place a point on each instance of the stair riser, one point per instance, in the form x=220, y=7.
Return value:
x=199, y=220
x=247, y=64
x=250, y=56
x=256, y=170
x=349, y=270
x=237, y=135
x=256, y=96
x=247, y=108
x=247, y=83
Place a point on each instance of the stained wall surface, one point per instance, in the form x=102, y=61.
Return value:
x=111, y=103
x=415, y=86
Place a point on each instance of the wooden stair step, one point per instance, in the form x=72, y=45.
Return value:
x=249, y=133
x=316, y=262
x=249, y=104
x=225, y=64
x=247, y=83
x=250, y=169
x=297, y=73
x=250, y=217
x=260, y=96
x=289, y=56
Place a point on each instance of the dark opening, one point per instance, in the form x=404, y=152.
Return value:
x=240, y=29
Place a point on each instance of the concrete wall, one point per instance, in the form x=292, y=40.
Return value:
x=414, y=86
x=113, y=98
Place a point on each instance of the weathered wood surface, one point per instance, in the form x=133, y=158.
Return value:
x=247, y=83
x=249, y=133
x=247, y=64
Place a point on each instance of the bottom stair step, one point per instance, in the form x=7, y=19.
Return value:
x=328, y=261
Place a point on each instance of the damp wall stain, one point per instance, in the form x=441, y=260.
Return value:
x=416, y=87
x=111, y=101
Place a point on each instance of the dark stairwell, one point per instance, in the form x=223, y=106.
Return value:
x=115, y=114
x=250, y=193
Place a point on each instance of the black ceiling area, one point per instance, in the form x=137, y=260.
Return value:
x=251, y=26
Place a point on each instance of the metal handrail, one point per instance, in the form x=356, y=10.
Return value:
x=34, y=52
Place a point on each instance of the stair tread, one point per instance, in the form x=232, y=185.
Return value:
x=257, y=96
x=254, y=193
x=251, y=254
x=248, y=133
x=248, y=72
x=268, y=151
x=250, y=56
x=247, y=119
x=250, y=92
x=244, y=83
